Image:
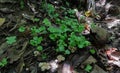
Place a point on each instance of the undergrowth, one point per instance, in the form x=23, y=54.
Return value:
x=62, y=29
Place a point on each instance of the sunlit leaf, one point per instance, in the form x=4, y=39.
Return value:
x=88, y=13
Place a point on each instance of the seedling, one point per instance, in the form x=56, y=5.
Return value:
x=67, y=52
x=47, y=22
x=21, y=29
x=11, y=39
x=36, y=20
x=36, y=41
x=65, y=32
x=88, y=68
x=92, y=51
x=49, y=8
x=39, y=48
x=44, y=56
x=53, y=36
x=61, y=48
x=3, y=62
x=36, y=30
x=22, y=5
x=53, y=29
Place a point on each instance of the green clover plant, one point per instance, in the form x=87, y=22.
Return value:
x=3, y=62
x=21, y=29
x=47, y=22
x=65, y=32
x=36, y=41
x=88, y=68
x=22, y=4
x=11, y=39
x=92, y=51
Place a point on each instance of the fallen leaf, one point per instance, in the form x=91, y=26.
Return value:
x=88, y=13
x=2, y=20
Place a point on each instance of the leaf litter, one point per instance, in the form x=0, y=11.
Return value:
x=99, y=18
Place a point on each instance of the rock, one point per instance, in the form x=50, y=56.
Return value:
x=90, y=60
x=114, y=10
x=99, y=36
x=97, y=69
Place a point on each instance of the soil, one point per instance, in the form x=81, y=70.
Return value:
x=22, y=57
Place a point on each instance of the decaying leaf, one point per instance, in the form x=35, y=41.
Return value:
x=60, y=58
x=113, y=23
x=6, y=10
x=44, y=66
x=3, y=48
x=14, y=54
x=88, y=13
x=20, y=66
x=2, y=20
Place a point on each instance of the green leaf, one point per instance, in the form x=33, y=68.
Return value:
x=47, y=22
x=81, y=45
x=3, y=62
x=54, y=29
x=36, y=20
x=42, y=28
x=55, y=15
x=80, y=28
x=35, y=30
x=63, y=36
x=67, y=52
x=11, y=39
x=61, y=48
x=53, y=36
x=88, y=68
x=44, y=56
x=36, y=41
x=50, y=9
x=64, y=28
x=86, y=43
x=39, y=48
x=22, y=5
x=21, y=29
x=92, y=51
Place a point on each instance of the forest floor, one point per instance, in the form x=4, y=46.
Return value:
x=59, y=36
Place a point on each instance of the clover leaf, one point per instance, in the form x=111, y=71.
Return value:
x=47, y=22
x=3, y=62
x=21, y=29
x=88, y=68
x=36, y=41
x=11, y=39
x=39, y=48
x=92, y=51
x=67, y=52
